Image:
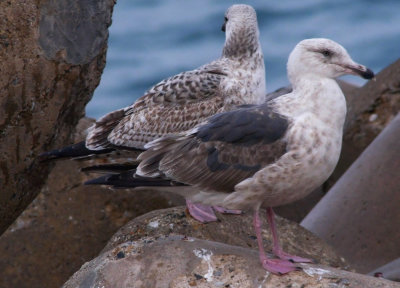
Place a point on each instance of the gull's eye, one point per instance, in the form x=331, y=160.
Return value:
x=326, y=53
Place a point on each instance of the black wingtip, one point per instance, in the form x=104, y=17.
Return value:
x=129, y=179
x=110, y=168
x=72, y=151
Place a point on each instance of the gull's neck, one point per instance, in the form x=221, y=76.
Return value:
x=242, y=44
x=320, y=96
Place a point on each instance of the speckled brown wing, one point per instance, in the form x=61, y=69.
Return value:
x=229, y=148
x=99, y=131
x=172, y=106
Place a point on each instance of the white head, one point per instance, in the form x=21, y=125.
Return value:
x=325, y=58
x=241, y=30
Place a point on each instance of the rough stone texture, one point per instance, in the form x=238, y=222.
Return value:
x=149, y=252
x=360, y=215
x=77, y=222
x=235, y=230
x=44, y=87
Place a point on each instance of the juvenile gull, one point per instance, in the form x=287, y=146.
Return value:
x=180, y=102
x=261, y=155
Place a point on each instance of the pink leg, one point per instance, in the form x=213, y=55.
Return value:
x=200, y=212
x=277, y=249
x=277, y=266
x=226, y=211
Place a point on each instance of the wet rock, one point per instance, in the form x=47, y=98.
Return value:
x=51, y=64
x=360, y=214
x=150, y=251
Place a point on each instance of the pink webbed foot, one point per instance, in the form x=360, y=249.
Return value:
x=200, y=212
x=278, y=266
x=227, y=211
x=205, y=214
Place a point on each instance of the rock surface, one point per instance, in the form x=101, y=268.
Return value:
x=360, y=215
x=150, y=251
x=48, y=76
x=77, y=222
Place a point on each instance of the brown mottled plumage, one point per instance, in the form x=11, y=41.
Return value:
x=181, y=102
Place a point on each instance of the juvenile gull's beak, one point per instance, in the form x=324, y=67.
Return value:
x=361, y=70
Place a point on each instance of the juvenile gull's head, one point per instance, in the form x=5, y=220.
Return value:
x=321, y=57
x=241, y=30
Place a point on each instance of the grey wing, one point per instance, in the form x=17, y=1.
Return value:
x=229, y=148
x=173, y=105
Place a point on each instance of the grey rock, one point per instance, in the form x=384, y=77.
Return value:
x=76, y=28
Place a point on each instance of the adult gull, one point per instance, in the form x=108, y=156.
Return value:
x=260, y=155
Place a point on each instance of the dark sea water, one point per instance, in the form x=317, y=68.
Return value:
x=153, y=39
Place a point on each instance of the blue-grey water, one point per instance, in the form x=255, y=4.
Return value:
x=153, y=39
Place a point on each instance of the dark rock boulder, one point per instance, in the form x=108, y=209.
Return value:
x=52, y=54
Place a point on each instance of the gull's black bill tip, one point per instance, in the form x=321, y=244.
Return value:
x=368, y=74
